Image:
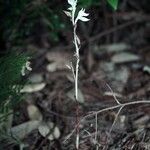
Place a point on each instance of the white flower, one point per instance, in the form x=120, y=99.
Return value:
x=28, y=65
x=82, y=16
x=72, y=10
x=72, y=2
x=24, y=67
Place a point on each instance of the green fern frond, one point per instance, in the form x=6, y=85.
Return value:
x=10, y=79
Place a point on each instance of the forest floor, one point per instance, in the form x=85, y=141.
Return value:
x=115, y=60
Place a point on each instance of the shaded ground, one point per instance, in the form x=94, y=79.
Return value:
x=115, y=52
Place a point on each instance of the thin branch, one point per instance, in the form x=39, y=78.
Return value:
x=96, y=127
x=121, y=106
x=115, y=120
x=116, y=106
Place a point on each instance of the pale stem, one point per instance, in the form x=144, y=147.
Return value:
x=77, y=62
x=76, y=76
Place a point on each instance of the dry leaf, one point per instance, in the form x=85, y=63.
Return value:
x=124, y=57
x=49, y=130
x=34, y=113
x=33, y=87
x=22, y=130
x=51, y=67
x=117, y=47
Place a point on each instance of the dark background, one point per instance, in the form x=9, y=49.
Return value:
x=41, y=30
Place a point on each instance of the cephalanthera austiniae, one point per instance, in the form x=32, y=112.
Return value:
x=82, y=16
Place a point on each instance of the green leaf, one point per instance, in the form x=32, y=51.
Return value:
x=113, y=3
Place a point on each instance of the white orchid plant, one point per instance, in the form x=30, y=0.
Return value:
x=75, y=17
x=82, y=16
